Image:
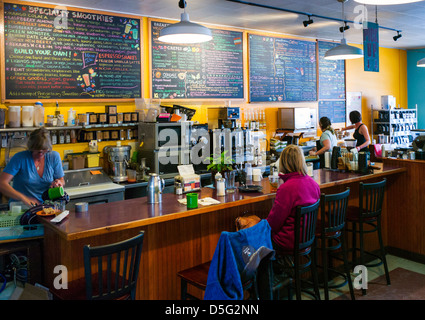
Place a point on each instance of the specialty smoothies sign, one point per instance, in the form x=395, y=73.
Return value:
x=55, y=53
x=209, y=70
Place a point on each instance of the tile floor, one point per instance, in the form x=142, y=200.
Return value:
x=373, y=273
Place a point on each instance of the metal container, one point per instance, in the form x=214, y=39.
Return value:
x=155, y=187
x=116, y=160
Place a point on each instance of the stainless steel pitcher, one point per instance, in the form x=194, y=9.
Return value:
x=155, y=187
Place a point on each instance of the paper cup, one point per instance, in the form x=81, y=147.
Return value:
x=55, y=193
x=192, y=200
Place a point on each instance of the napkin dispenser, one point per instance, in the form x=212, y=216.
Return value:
x=189, y=180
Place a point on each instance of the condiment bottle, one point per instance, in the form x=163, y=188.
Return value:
x=57, y=111
x=179, y=189
x=61, y=137
x=221, y=187
x=54, y=137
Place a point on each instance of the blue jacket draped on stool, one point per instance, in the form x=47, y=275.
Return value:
x=236, y=259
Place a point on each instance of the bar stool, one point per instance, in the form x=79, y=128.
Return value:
x=332, y=238
x=255, y=272
x=368, y=213
x=115, y=275
x=297, y=262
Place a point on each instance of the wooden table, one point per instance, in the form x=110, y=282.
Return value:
x=175, y=238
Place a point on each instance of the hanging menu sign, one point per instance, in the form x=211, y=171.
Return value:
x=55, y=53
x=282, y=69
x=371, y=46
x=331, y=74
x=212, y=69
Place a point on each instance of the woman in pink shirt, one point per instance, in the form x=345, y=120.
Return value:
x=298, y=189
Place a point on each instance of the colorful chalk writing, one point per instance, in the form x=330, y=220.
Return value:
x=55, y=53
x=281, y=69
x=209, y=70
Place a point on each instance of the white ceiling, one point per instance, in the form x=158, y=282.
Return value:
x=408, y=17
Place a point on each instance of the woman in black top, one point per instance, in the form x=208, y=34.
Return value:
x=361, y=134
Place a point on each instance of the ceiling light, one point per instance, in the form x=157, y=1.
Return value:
x=343, y=52
x=397, y=36
x=307, y=22
x=184, y=31
x=386, y=2
x=421, y=63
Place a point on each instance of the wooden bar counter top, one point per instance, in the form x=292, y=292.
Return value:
x=175, y=238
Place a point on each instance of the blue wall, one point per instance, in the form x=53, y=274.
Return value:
x=416, y=84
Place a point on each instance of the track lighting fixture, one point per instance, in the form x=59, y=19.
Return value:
x=345, y=27
x=307, y=22
x=397, y=36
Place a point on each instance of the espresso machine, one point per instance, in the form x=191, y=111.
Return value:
x=116, y=161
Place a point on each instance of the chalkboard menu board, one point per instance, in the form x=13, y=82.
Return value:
x=53, y=53
x=197, y=71
x=282, y=69
x=334, y=110
x=331, y=74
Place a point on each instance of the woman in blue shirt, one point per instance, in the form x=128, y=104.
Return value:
x=33, y=171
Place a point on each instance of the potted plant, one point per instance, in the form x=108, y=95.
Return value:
x=222, y=164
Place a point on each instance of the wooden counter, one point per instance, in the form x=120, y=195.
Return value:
x=175, y=238
x=406, y=236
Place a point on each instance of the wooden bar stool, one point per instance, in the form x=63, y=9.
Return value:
x=331, y=235
x=113, y=278
x=254, y=274
x=368, y=213
x=302, y=258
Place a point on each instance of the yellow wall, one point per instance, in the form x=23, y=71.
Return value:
x=391, y=80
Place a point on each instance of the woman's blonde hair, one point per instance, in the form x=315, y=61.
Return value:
x=39, y=140
x=292, y=160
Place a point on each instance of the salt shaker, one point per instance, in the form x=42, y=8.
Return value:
x=221, y=188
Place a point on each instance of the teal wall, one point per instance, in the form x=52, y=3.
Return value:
x=416, y=84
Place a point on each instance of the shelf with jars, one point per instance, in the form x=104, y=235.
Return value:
x=394, y=125
x=78, y=134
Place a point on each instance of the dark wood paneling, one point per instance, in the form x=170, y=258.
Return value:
x=175, y=238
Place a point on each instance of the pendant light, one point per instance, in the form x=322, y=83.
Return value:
x=421, y=63
x=184, y=31
x=343, y=51
x=386, y=2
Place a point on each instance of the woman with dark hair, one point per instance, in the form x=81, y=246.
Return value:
x=327, y=139
x=33, y=171
x=361, y=133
